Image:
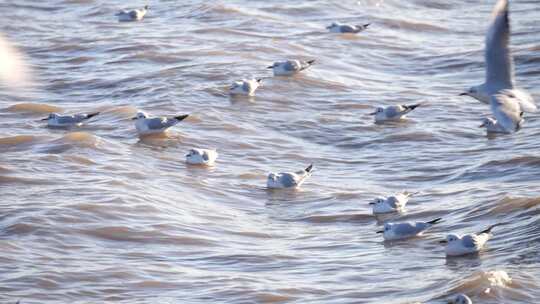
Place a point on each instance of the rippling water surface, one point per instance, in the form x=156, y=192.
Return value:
x=96, y=214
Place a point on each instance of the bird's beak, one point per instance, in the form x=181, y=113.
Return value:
x=134, y=118
x=270, y=67
x=372, y=113
x=464, y=94
x=380, y=231
x=44, y=119
x=443, y=241
x=482, y=125
x=371, y=203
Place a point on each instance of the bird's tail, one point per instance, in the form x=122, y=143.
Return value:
x=412, y=107
x=310, y=62
x=409, y=194
x=309, y=168
x=181, y=117
x=88, y=116
x=435, y=221
x=366, y=25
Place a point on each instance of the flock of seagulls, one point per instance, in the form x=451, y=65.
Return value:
x=507, y=103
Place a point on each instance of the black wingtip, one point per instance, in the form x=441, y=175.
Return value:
x=309, y=168
x=435, y=221
x=412, y=107
x=311, y=61
x=92, y=115
x=181, y=117
x=488, y=230
x=366, y=25
x=259, y=80
x=146, y=7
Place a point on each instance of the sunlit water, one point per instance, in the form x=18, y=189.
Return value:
x=96, y=214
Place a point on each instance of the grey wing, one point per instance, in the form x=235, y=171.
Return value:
x=406, y=229
x=392, y=201
x=348, y=29
x=68, y=119
x=288, y=180
x=506, y=110
x=246, y=86
x=468, y=241
x=160, y=123
x=499, y=62
x=395, y=111
x=291, y=66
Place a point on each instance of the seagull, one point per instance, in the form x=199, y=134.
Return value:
x=399, y=231
x=288, y=179
x=337, y=27
x=394, y=203
x=470, y=243
x=460, y=299
x=201, y=157
x=56, y=120
x=146, y=126
x=133, y=15
x=506, y=109
x=499, y=62
x=245, y=87
x=290, y=67
x=393, y=113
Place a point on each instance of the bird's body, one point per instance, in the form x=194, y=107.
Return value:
x=405, y=230
x=457, y=245
x=147, y=126
x=394, y=203
x=132, y=15
x=499, y=63
x=290, y=67
x=337, y=27
x=201, y=157
x=245, y=87
x=288, y=179
x=506, y=108
x=393, y=113
x=56, y=120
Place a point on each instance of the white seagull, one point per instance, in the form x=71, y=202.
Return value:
x=290, y=67
x=245, y=87
x=394, y=203
x=393, y=113
x=56, y=120
x=133, y=15
x=288, y=179
x=337, y=27
x=205, y=157
x=506, y=109
x=146, y=125
x=405, y=230
x=460, y=299
x=470, y=243
x=499, y=62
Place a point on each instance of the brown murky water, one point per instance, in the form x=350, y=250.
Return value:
x=96, y=214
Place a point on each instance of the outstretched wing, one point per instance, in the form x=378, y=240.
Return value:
x=507, y=110
x=499, y=62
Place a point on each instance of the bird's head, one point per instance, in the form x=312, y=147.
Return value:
x=140, y=115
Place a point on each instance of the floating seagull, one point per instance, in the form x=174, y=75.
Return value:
x=470, y=243
x=506, y=109
x=499, y=62
x=337, y=27
x=146, y=126
x=290, y=67
x=245, y=87
x=399, y=231
x=393, y=113
x=201, y=157
x=56, y=120
x=394, y=203
x=460, y=299
x=288, y=179
x=133, y=15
